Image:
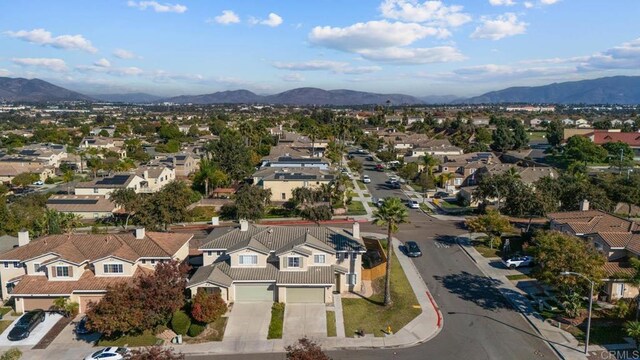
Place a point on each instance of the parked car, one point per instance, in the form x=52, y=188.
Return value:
x=518, y=261
x=380, y=202
x=395, y=185
x=379, y=167
x=108, y=353
x=393, y=178
x=413, y=204
x=362, y=151
x=38, y=183
x=366, y=179
x=81, y=327
x=27, y=322
x=412, y=249
x=440, y=195
x=369, y=158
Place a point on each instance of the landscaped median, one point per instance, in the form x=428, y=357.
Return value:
x=371, y=316
x=277, y=321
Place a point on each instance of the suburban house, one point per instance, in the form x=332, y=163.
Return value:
x=631, y=139
x=104, y=143
x=435, y=147
x=155, y=177
x=9, y=170
x=617, y=238
x=280, y=263
x=104, y=186
x=85, y=206
x=184, y=164
x=81, y=267
x=282, y=181
x=296, y=162
x=45, y=154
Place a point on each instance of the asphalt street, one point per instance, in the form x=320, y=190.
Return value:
x=479, y=324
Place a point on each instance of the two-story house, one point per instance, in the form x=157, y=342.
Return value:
x=282, y=181
x=81, y=267
x=281, y=263
x=105, y=186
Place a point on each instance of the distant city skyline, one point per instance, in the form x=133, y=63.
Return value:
x=419, y=48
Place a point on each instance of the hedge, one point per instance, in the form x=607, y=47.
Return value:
x=195, y=329
x=180, y=322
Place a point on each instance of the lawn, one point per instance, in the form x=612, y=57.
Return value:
x=484, y=250
x=602, y=332
x=514, y=242
x=213, y=332
x=331, y=324
x=356, y=208
x=537, y=135
x=202, y=213
x=5, y=310
x=277, y=321
x=280, y=212
x=361, y=185
x=372, y=317
x=144, y=339
x=518, y=277
x=426, y=208
x=4, y=324
x=352, y=194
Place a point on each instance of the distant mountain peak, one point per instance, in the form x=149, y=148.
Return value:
x=36, y=90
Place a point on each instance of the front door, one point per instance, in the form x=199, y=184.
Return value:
x=338, y=290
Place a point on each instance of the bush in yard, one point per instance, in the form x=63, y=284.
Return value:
x=196, y=329
x=11, y=354
x=622, y=309
x=305, y=349
x=207, y=308
x=180, y=322
x=119, y=312
x=154, y=353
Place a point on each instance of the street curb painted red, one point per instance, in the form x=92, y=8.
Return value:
x=435, y=307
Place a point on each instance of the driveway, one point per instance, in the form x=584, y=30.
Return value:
x=67, y=338
x=248, y=321
x=305, y=320
x=36, y=335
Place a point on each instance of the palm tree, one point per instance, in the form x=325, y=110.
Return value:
x=390, y=214
x=68, y=177
x=633, y=330
x=430, y=162
x=444, y=178
x=512, y=173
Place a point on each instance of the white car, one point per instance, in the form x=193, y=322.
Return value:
x=518, y=261
x=108, y=353
x=414, y=204
x=39, y=183
x=393, y=179
x=366, y=179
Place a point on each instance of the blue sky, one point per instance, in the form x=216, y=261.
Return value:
x=459, y=47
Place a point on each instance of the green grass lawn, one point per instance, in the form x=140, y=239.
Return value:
x=277, y=321
x=602, y=332
x=372, y=317
x=4, y=324
x=537, y=135
x=5, y=310
x=366, y=195
x=426, y=208
x=361, y=185
x=449, y=205
x=219, y=326
x=144, y=339
x=518, y=277
x=484, y=250
x=279, y=212
x=356, y=208
x=202, y=213
x=331, y=324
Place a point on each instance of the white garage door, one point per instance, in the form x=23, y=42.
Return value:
x=254, y=292
x=305, y=295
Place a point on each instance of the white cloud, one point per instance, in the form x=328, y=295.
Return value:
x=157, y=7
x=431, y=12
x=293, y=77
x=125, y=54
x=414, y=55
x=5, y=72
x=548, y=2
x=102, y=63
x=500, y=27
x=116, y=71
x=53, y=64
x=624, y=56
x=502, y=2
x=336, y=67
x=528, y=4
x=227, y=17
x=372, y=35
x=44, y=37
x=273, y=20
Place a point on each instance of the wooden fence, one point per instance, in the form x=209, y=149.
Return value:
x=379, y=270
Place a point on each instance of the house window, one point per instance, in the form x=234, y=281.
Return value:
x=153, y=262
x=36, y=268
x=351, y=279
x=457, y=181
x=16, y=264
x=6, y=264
x=95, y=190
x=284, y=196
x=293, y=262
x=113, y=268
x=248, y=259
x=209, y=253
x=219, y=252
x=144, y=261
x=346, y=255
x=62, y=271
x=318, y=259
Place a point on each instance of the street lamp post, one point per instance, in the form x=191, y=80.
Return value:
x=586, y=343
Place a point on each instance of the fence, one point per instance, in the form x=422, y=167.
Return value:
x=378, y=270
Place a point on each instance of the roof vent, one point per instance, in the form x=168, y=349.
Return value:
x=140, y=233
x=244, y=225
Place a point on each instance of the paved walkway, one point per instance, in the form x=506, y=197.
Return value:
x=364, y=199
x=337, y=305
x=562, y=342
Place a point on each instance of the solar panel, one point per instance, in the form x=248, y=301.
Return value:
x=72, y=201
x=114, y=180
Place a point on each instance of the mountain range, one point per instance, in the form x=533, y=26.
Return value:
x=609, y=90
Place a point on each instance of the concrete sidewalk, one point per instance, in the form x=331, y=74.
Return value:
x=421, y=329
x=563, y=343
x=365, y=200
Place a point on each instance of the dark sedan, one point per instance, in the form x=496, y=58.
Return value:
x=81, y=327
x=412, y=249
x=22, y=329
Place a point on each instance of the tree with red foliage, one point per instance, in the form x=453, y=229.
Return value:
x=207, y=308
x=305, y=349
x=162, y=292
x=154, y=353
x=119, y=311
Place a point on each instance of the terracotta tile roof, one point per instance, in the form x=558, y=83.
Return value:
x=634, y=244
x=618, y=269
x=603, y=137
x=592, y=221
x=79, y=248
x=40, y=285
x=616, y=239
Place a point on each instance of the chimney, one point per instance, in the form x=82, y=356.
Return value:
x=244, y=225
x=355, y=231
x=140, y=233
x=23, y=237
x=584, y=205
x=215, y=220
x=145, y=174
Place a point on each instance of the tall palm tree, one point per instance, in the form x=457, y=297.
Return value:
x=445, y=177
x=390, y=214
x=430, y=162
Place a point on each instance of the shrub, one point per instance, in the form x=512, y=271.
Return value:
x=622, y=309
x=11, y=354
x=180, y=322
x=207, y=308
x=196, y=329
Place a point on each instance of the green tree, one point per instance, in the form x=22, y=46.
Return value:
x=127, y=199
x=620, y=154
x=556, y=252
x=167, y=206
x=251, y=202
x=632, y=328
x=430, y=162
x=391, y=214
x=492, y=223
x=503, y=139
x=409, y=171
x=209, y=177
x=520, y=136
x=483, y=136
x=355, y=165
x=580, y=148
x=231, y=155
x=555, y=133
x=25, y=179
